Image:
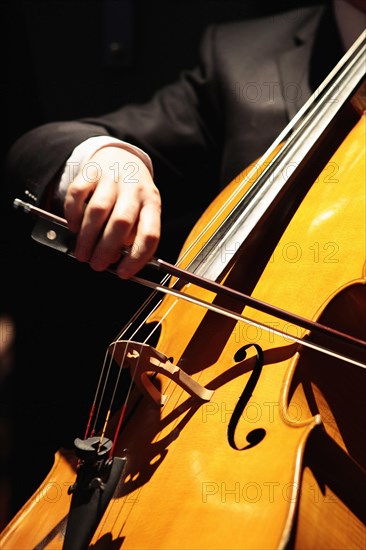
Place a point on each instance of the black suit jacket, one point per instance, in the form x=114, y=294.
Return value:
x=202, y=130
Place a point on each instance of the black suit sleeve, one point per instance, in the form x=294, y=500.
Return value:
x=179, y=128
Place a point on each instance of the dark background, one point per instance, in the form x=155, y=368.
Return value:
x=63, y=60
x=73, y=58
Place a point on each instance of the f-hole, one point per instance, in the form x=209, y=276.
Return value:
x=255, y=436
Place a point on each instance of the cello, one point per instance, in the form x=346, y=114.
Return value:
x=242, y=423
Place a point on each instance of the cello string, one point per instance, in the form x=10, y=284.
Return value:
x=120, y=336
x=133, y=373
x=139, y=311
x=95, y=411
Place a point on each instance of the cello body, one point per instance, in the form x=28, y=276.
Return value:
x=274, y=455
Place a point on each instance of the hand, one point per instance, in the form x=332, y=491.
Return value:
x=113, y=203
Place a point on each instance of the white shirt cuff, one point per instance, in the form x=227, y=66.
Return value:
x=86, y=150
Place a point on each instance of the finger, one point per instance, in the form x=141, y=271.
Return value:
x=145, y=243
x=118, y=233
x=78, y=193
x=96, y=213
